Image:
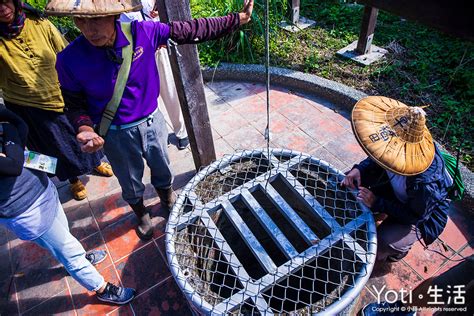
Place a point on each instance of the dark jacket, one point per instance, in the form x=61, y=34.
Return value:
x=19, y=187
x=427, y=206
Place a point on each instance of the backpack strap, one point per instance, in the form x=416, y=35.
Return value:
x=122, y=77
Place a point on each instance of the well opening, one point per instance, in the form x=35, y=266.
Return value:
x=269, y=234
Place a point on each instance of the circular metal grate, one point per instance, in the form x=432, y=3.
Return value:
x=253, y=234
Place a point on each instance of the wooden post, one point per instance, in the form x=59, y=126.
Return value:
x=367, y=30
x=295, y=11
x=190, y=86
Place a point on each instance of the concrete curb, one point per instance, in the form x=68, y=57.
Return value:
x=311, y=84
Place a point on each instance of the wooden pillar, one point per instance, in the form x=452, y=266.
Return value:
x=367, y=30
x=295, y=11
x=190, y=86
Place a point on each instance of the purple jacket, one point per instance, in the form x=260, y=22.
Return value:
x=87, y=74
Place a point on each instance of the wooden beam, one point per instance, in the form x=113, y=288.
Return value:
x=367, y=30
x=190, y=86
x=450, y=16
x=295, y=11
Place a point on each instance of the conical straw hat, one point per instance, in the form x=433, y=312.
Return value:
x=91, y=8
x=393, y=134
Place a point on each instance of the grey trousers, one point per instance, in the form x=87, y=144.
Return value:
x=394, y=240
x=126, y=150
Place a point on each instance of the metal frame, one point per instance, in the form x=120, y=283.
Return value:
x=253, y=289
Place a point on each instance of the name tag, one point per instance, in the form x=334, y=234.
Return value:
x=37, y=161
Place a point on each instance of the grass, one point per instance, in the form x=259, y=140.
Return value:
x=423, y=67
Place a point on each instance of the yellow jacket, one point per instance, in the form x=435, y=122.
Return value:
x=27, y=66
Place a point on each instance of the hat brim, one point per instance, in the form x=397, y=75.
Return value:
x=389, y=151
x=87, y=14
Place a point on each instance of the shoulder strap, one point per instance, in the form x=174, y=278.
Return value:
x=122, y=77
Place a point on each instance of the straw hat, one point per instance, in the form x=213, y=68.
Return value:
x=91, y=8
x=393, y=134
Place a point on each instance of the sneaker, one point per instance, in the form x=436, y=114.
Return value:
x=116, y=294
x=96, y=256
x=78, y=190
x=183, y=143
x=104, y=169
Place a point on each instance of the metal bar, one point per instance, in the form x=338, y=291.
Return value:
x=272, y=229
x=248, y=237
x=367, y=29
x=190, y=86
x=296, y=221
x=299, y=261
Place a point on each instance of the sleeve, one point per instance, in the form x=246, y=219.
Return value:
x=411, y=212
x=76, y=109
x=203, y=29
x=12, y=164
x=57, y=39
x=75, y=100
x=15, y=120
x=157, y=32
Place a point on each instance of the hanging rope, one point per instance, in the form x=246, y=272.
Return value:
x=267, y=70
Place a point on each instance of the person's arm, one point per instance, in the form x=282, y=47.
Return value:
x=57, y=39
x=20, y=125
x=76, y=109
x=411, y=212
x=11, y=162
x=197, y=30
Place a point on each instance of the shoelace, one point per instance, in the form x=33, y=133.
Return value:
x=90, y=256
x=113, y=289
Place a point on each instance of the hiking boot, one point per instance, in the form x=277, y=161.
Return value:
x=96, y=256
x=145, y=227
x=78, y=190
x=167, y=199
x=116, y=294
x=183, y=143
x=104, y=169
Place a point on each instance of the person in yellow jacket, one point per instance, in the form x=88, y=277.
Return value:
x=29, y=82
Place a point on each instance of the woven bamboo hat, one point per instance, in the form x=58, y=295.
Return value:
x=393, y=134
x=91, y=8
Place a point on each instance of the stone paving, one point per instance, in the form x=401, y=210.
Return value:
x=33, y=283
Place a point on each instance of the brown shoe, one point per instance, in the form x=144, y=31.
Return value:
x=167, y=199
x=78, y=190
x=144, y=229
x=104, y=169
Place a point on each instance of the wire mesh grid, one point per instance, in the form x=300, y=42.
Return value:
x=270, y=234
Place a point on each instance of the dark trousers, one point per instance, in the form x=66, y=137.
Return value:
x=394, y=238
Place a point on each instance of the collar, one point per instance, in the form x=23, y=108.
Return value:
x=120, y=38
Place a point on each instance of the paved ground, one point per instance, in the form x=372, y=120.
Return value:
x=33, y=283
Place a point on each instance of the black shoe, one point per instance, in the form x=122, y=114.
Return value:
x=116, y=294
x=96, y=256
x=144, y=229
x=397, y=257
x=183, y=143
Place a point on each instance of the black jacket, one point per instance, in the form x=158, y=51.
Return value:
x=427, y=206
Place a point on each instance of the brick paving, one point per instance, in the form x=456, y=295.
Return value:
x=31, y=282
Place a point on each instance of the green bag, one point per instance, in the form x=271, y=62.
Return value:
x=456, y=192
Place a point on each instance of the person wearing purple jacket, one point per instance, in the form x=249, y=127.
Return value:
x=88, y=69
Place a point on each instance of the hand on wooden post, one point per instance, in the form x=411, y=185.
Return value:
x=89, y=140
x=246, y=13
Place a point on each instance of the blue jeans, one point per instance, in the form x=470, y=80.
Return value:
x=126, y=150
x=67, y=250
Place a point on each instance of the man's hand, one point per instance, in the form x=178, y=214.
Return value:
x=246, y=13
x=352, y=179
x=90, y=141
x=366, y=196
